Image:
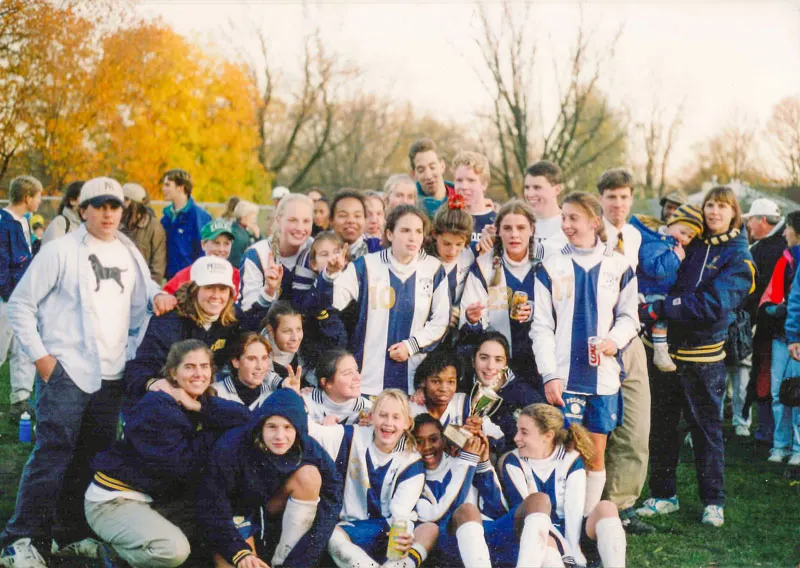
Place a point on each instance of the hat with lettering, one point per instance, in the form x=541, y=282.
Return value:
x=763, y=207
x=215, y=228
x=212, y=270
x=99, y=191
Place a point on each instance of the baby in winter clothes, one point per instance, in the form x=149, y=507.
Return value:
x=660, y=255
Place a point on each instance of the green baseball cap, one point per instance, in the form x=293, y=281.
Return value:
x=216, y=228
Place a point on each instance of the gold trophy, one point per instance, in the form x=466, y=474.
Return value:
x=485, y=402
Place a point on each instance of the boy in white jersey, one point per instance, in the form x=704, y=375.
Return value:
x=81, y=299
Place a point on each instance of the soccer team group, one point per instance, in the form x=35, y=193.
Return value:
x=416, y=376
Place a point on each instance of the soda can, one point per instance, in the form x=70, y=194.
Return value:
x=594, y=353
x=518, y=300
x=399, y=526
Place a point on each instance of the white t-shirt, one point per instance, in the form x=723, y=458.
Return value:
x=112, y=277
x=549, y=237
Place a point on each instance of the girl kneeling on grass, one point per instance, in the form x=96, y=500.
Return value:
x=271, y=465
x=142, y=500
x=547, y=472
x=383, y=479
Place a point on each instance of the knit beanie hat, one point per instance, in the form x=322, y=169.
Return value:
x=688, y=215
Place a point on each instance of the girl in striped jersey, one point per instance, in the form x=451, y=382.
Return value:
x=278, y=267
x=586, y=300
x=250, y=382
x=452, y=482
x=402, y=299
x=548, y=465
x=384, y=478
x=492, y=281
x=338, y=399
x=450, y=235
x=436, y=380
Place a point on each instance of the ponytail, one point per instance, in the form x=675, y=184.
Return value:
x=572, y=436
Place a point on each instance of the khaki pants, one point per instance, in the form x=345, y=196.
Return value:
x=627, y=453
x=138, y=533
x=21, y=369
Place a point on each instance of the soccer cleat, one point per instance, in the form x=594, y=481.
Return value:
x=777, y=455
x=743, y=431
x=86, y=548
x=655, y=506
x=713, y=515
x=21, y=554
x=795, y=459
x=633, y=524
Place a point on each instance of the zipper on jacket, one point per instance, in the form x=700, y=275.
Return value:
x=702, y=270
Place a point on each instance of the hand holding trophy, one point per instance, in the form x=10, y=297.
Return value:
x=485, y=402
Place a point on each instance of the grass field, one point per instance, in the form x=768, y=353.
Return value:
x=762, y=515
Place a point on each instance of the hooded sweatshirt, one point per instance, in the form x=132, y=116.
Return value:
x=241, y=477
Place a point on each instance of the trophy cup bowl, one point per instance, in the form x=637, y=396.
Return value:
x=485, y=402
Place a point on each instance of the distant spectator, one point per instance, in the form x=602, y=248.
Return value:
x=24, y=196
x=322, y=216
x=183, y=220
x=765, y=228
x=74, y=311
x=245, y=230
x=216, y=240
x=315, y=194
x=670, y=202
x=37, y=232
x=399, y=189
x=772, y=321
x=278, y=193
x=427, y=168
x=376, y=215
x=140, y=224
x=67, y=218
x=230, y=206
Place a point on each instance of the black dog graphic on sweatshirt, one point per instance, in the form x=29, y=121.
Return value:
x=110, y=273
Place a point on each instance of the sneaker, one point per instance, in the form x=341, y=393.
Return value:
x=795, y=459
x=713, y=515
x=633, y=524
x=86, y=548
x=655, y=506
x=743, y=431
x=21, y=554
x=662, y=360
x=777, y=455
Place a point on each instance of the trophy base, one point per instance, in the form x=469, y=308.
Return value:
x=457, y=435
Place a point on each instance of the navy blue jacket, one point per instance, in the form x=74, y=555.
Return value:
x=658, y=263
x=242, y=477
x=15, y=256
x=713, y=281
x=164, y=330
x=183, y=236
x=165, y=446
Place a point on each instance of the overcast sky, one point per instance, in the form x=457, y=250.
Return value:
x=719, y=57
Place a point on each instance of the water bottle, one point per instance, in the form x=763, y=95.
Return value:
x=25, y=428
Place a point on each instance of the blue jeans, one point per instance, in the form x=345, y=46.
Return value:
x=696, y=390
x=72, y=426
x=786, y=435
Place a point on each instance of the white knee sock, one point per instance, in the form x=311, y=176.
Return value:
x=472, y=545
x=533, y=542
x=414, y=559
x=595, y=481
x=345, y=554
x=611, y=543
x=552, y=558
x=298, y=516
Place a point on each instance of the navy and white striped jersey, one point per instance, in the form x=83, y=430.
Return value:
x=319, y=405
x=456, y=413
x=457, y=481
x=226, y=389
x=396, y=303
x=297, y=275
x=583, y=294
x=457, y=272
x=562, y=477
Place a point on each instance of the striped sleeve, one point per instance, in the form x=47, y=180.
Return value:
x=492, y=503
x=407, y=491
x=461, y=473
x=515, y=486
x=543, y=328
x=427, y=338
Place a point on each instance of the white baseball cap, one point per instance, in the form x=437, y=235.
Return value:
x=763, y=207
x=212, y=270
x=134, y=192
x=98, y=191
x=279, y=192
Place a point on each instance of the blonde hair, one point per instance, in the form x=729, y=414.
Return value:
x=402, y=399
x=512, y=207
x=550, y=419
x=243, y=209
x=591, y=206
x=189, y=308
x=284, y=203
x=22, y=187
x=478, y=162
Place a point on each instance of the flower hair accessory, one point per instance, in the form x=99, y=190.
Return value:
x=455, y=201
